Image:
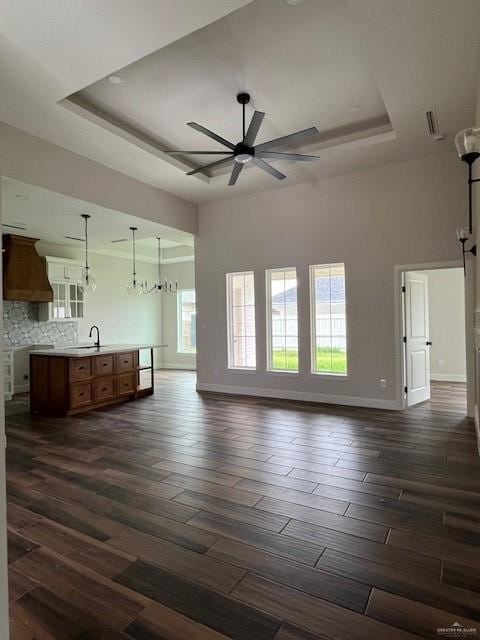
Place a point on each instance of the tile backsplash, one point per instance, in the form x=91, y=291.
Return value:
x=21, y=327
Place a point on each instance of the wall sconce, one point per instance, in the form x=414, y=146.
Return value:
x=462, y=236
x=467, y=142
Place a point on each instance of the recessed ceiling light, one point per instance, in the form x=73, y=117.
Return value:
x=119, y=240
x=294, y=2
x=354, y=108
x=115, y=79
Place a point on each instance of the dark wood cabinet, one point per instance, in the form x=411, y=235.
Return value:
x=80, y=369
x=104, y=389
x=61, y=385
x=104, y=365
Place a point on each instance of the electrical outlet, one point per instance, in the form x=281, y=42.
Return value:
x=383, y=383
x=441, y=363
x=25, y=376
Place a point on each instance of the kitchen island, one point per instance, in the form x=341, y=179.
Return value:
x=74, y=379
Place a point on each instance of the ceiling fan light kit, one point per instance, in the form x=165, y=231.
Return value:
x=245, y=151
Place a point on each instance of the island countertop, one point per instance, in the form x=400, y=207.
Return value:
x=82, y=352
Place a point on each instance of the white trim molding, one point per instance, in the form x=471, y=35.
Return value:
x=180, y=367
x=303, y=396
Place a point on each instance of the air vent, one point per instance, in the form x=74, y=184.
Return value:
x=120, y=240
x=14, y=226
x=73, y=238
x=433, y=128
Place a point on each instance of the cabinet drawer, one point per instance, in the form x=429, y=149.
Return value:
x=103, y=365
x=80, y=369
x=125, y=361
x=125, y=384
x=80, y=395
x=104, y=389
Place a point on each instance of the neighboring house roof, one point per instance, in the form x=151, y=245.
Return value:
x=326, y=290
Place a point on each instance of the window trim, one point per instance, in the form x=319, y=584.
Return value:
x=268, y=314
x=179, y=321
x=313, y=322
x=228, y=279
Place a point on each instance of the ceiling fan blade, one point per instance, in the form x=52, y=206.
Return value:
x=297, y=137
x=198, y=153
x=253, y=128
x=235, y=173
x=268, y=168
x=275, y=155
x=212, y=165
x=210, y=134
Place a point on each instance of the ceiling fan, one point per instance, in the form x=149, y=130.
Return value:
x=245, y=152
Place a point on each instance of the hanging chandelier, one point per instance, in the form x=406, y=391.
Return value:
x=134, y=288
x=161, y=286
x=87, y=281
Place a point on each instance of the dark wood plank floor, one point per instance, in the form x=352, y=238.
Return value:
x=186, y=516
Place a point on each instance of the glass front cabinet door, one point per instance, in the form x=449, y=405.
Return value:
x=68, y=296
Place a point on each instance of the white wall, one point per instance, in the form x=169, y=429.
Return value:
x=394, y=215
x=184, y=274
x=120, y=318
x=446, y=301
x=35, y=161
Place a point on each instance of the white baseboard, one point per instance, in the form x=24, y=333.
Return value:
x=448, y=377
x=21, y=388
x=305, y=396
x=173, y=365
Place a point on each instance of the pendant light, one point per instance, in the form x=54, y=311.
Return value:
x=160, y=286
x=134, y=288
x=87, y=282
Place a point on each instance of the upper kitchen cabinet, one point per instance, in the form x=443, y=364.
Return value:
x=68, y=299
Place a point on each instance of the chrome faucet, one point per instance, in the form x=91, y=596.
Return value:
x=97, y=342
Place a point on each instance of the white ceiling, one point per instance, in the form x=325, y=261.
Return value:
x=184, y=60
x=266, y=48
x=51, y=216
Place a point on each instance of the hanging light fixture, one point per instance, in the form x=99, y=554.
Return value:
x=160, y=286
x=87, y=282
x=467, y=143
x=134, y=288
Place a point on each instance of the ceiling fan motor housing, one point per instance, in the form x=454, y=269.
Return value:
x=243, y=153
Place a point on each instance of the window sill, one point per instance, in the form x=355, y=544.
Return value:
x=336, y=376
x=281, y=372
x=242, y=369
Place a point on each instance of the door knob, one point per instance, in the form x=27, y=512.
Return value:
x=429, y=343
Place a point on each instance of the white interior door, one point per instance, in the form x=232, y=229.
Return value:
x=417, y=332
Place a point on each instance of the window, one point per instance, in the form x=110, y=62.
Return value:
x=241, y=320
x=282, y=328
x=186, y=321
x=329, y=325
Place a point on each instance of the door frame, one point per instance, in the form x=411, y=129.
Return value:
x=400, y=364
x=4, y=617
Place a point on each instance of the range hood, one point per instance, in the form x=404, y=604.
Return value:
x=24, y=271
